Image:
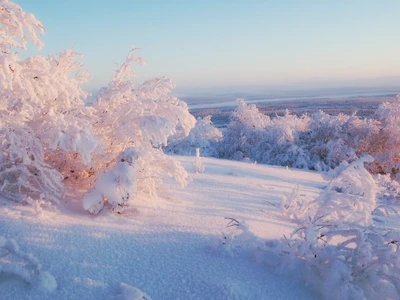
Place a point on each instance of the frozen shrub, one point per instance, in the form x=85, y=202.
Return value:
x=344, y=261
x=43, y=120
x=249, y=116
x=350, y=196
x=243, y=133
x=334, y=248
x=50, y=138
x=23, y=169
x=236, y=239
x=203, y=136
x=143, y=118
x=387, y=142
x=199, y=166
x=317, y=142
x=333, y=139
x=295, y=208
x=116, y=185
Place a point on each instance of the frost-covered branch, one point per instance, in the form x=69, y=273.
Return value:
x=17, y=28
x=51, y=140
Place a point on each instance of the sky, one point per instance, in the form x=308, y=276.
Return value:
x=228, y=43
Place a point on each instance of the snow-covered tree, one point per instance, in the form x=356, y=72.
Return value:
x=133, y=125
x=18, y=27
x=44, y=127
x=49, y=137
x=204, y=135
x=282, y=145
x=244, y=132
x=386, y=144
x=318, y=142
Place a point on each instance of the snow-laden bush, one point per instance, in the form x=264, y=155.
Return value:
x=16, y=264
x=204, y=135
x=117, y=185
x=344, y=262
x=281, y=145
x=317, y=142
x=333, y=139
x=336, y=247
x=387, y=142
x=387, y=198
x=243, y=133
x=42, y=117
x=236, y=239
x=48, y=135
x=350, y=196
x=133, y=125
x=293, y=206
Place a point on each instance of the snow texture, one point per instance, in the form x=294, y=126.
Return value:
x=171, y=249
x=15, y=264
x=128, y=292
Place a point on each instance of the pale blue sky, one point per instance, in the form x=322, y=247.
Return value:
x=228, y=43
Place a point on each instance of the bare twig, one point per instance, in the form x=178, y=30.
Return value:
x=270, y=203
x=287, y=240
x=232, y=222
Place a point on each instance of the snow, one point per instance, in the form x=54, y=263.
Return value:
x=239, y=230
x=164, y=248
x=48, y=282
x=93, y=202
x=128, y=292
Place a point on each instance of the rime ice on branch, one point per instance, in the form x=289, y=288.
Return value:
x=48, y=135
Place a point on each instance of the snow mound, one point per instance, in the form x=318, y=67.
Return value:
x=16, y=264
x=128, y=292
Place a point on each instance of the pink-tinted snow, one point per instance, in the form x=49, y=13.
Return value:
x=166, y=247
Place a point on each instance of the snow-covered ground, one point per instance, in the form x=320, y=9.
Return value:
x=170, y=247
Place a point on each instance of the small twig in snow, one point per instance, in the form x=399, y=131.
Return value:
x=270, y=203
x=233, y=222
